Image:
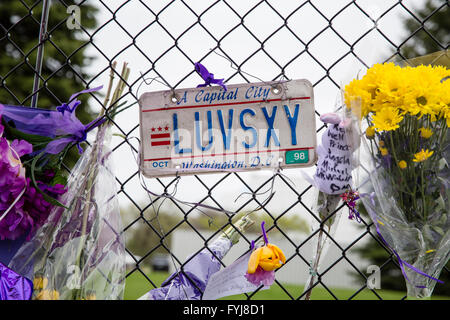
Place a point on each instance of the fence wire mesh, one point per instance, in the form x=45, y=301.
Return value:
x=245, y=40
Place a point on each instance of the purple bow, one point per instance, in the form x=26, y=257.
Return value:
x=208, y=77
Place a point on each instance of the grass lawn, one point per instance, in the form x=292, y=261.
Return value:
x=137, y=285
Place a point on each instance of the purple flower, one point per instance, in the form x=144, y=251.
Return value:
x=22, y=208
x=21, y=148
x=261, y=277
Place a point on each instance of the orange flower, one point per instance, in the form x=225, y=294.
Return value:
x=267, y=257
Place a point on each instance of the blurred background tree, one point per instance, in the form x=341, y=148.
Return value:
x=432, y=36
x=19, y=39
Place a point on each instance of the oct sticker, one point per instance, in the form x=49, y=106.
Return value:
x=249, y=126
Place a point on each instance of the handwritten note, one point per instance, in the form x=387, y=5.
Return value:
x=230, y=280
x=333, y=173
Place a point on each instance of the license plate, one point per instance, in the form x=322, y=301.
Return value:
x=247, y=127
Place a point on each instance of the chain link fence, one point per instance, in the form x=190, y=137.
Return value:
x=242, y=41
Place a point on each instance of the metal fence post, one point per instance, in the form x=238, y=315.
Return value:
x=40, y=54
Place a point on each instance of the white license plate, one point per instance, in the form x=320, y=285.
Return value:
x=250, y=126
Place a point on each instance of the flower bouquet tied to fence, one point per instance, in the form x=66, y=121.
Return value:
x=79, y=253
x=33, y=145
x=405, y=111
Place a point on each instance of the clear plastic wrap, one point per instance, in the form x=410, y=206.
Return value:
x=422, y=245
x=332, y=179
x=79, y=252
x=325, y=205
x=404, y=173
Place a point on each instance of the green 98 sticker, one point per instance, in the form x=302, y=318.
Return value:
x=297, y=156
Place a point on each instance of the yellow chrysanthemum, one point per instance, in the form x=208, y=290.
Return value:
x=425, y=133
x=358, y=98
x=384, y=151
x=417, y=91
x=91, y=296
x=370, y=132
x=48, y=295
x=422, y=155
x=446, y=114
x=402, y=164
x=387, y=119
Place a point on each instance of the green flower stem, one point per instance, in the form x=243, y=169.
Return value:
x=232, y=232
x=96, y=154
x=404, y=182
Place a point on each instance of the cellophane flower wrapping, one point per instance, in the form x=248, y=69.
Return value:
x=332, y=179
x=325, y=205
x=191, y=282
x=403, y=112
x=79, y=251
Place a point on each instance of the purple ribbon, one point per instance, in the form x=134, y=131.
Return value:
x=266, y=241
x=356, y=215
x=350, y=199
x=13, y=286
x=400, y=261
x=208, y=77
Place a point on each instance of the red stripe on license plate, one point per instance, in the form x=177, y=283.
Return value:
x=160, y=135
x=160, y=143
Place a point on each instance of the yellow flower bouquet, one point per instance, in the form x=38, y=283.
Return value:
x=404, y=115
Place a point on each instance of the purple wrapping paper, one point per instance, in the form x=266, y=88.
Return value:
x=199, y=269
x=61, y=122
x=13, y=286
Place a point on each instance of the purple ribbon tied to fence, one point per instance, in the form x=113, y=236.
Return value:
x=264, y=233
x=401, y=262
x=208, y=77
